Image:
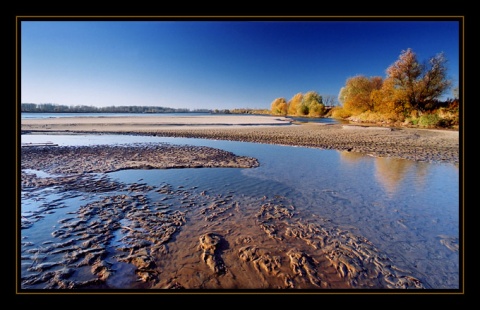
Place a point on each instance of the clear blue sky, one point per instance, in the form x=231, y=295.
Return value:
x=215, y=64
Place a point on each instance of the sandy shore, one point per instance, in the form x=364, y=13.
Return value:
x=408, y=143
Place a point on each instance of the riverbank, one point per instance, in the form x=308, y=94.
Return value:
x=428, y=145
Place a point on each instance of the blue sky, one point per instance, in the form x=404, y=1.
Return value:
x=215, y=64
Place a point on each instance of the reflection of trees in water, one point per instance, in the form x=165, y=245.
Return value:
x=391, y=172
x=351, y=157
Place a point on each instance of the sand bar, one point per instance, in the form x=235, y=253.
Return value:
x=140, y=122
x=409, y=143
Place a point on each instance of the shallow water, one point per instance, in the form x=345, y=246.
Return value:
x=408, y=211
x=30, y=115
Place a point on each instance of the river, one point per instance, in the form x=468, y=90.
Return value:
x=408, y=211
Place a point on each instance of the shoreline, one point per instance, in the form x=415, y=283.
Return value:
x=430, y=145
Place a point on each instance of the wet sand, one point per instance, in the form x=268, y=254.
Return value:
x=139, y=236
x=408, y=143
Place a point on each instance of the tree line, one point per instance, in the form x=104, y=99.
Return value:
x=58, y=108
x=309, y=104
x=408, y=95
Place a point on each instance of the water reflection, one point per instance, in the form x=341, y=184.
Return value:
x=390, y=173
x=351, y=157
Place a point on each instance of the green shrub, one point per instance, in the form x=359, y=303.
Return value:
x=429, y=120
x=414, y=121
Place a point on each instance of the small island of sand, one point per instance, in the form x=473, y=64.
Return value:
x=409, y=143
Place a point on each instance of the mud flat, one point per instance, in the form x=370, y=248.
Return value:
x=143, y=236
x=105, y=158
x=408, y=143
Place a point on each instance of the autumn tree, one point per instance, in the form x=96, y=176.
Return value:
x=316, y=109
x=314, y=101
x=312, y=105
x=279, y=106
x=416, y=85
x=312, y=97
x=356, y=94
x=386, y=101
x=294, y=103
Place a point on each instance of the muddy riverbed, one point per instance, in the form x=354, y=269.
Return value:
x=110, y=234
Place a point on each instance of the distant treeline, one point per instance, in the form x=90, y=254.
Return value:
x=58, y=108
x=242, y=111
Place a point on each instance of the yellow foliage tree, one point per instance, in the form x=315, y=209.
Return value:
x=312, y=104
x=316, y=109
x=294, y=103
x=356, y=94
x=279, y=106
x=418, y=84
x=388, y=100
